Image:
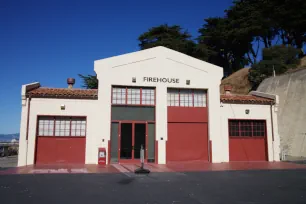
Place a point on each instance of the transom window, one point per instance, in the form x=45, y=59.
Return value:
x=133, y=96
x=61, y=126
x=247, y=128
x=186, y=97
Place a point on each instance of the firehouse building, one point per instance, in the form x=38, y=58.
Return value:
x=160, y=99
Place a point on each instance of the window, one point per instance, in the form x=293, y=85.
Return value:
x=133, y=96
x=186, y=97
x=247, y=128
x=148, y=96
x=61, y=126
x=173, y=97
x=46, y=126
x=119, y=95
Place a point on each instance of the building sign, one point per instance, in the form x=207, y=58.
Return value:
x=162, y=80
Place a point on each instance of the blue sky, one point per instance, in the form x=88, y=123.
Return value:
x=49, y=41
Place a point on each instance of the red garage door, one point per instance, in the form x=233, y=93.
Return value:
x=61, y=140
x=247, y=140
x=187, y=142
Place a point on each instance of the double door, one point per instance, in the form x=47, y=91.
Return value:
x=132, y=136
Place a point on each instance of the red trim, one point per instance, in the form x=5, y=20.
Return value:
x=128, y=105
x=133, y=141
x=132, y=160
x=132, y=121
x=140, y=96
x=108, y=151
x=119, y=141
x=126, y=96
x=147, y=142
x=156, y=150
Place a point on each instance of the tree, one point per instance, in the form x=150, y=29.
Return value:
x=290, y=17
x=89, y=81
x=249, y=21
x=172, y=37
x=279, y=58
x=224, y=49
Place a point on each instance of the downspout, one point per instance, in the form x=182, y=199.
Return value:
x=272, y=128
x=27, y=130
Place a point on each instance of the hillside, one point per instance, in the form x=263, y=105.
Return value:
x=8, y=137
x=239, y=82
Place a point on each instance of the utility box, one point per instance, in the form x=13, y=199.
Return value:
x=102, y=156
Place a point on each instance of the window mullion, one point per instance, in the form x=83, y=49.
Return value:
x=126, y=95
x=192, y=98
x=54, y=126
x=140, y=96
x=239, y=133
x=179, y=96
x=252, y=129
x=70, y=126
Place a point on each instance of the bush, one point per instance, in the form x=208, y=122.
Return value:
x=279, y=57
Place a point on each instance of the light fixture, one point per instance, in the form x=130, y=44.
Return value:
x=188, y=82
x=63, y=107
x=247, y=111
x=134, y=79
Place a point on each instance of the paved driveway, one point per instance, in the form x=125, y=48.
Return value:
x=260, y=186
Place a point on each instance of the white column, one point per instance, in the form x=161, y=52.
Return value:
x=22, y=152
x=276, y=142
x=219, y=153
x=161, y=122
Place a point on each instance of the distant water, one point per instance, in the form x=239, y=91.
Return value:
x=8, y=137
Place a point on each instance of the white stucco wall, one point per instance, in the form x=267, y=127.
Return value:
x=162, y=63
x=75, y=107
x=157, y=62
x=260, y=112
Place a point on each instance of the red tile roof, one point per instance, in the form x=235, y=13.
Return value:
x=63, y=93
x=93, y=94
x=245, y=99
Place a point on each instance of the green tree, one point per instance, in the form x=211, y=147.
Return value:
x=290, y=17
x=279, y=58
x=89, y=81
x=250, y=23
x=224, y=48
x=173, y=37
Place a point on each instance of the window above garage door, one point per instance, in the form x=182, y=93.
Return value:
x=61, y=126
x=247, y=128
x=186, y=97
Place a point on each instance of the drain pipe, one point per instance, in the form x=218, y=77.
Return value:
x=27, y=130
x=272, y=129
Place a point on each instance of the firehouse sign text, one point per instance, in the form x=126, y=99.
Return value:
x=162, y=80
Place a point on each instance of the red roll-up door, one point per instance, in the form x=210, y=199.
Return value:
x=187, y=142
x=247, y=140
x=68, y=150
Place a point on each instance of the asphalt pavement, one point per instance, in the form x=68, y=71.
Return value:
x=222, y=187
